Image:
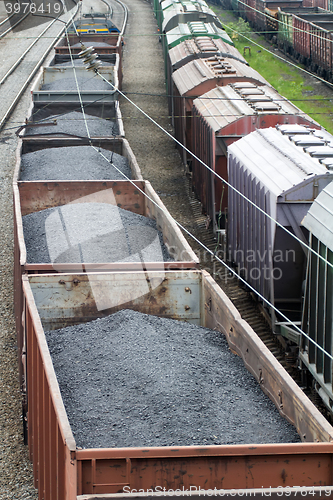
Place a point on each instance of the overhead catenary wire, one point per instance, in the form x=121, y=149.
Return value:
x=194, y=156
x=186, y=149
x=219, y=177
x=290, y=322
x=217, y=258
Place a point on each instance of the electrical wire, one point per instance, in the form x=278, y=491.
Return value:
x=218, y=176
x=210, y=251
x=191, y=235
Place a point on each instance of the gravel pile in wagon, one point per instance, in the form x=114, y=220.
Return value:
x=73, y=163
x=74, y=124
x=92, y=233
x=69, y=84
x=149, y=381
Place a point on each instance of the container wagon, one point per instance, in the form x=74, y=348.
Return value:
x=222, y=116
x=281, y=178
x=64, y=472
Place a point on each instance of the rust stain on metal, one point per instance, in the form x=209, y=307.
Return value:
x=283, y=475
x=208, y=304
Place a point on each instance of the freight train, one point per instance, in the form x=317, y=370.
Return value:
x=257, y=163
x=83, y=252
x=302, y=30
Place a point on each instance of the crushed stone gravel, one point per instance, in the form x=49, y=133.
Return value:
x=150, y=381
x=73, y=163
x=73, y=123
x=92, y=233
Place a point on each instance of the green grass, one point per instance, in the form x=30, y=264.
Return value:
x=287, y=80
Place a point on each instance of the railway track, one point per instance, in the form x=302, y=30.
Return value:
x=34, y=43
x=11, y=22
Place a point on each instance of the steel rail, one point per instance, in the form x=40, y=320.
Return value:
x=7, y=19
x=35, y=69
x=108, y=6
x=14, y=25
x=18, y=62
x=125, y=9
x=125, y=15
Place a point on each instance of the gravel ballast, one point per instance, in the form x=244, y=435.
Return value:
x=73, y=163
x=92, y=233
x=73, y=123
x=149, y=381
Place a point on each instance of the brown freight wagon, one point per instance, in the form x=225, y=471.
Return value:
x=64, y=472
x=33, y=196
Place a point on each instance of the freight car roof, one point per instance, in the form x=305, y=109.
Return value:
x=189, y=11
x=201, y=47
x=185, y=5
x=277, y=163
x=201, y=71
x=191, y=29
x=319, y=219
x=224, y=105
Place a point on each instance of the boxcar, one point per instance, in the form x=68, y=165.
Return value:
x=197, y=48
x=196, y=29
